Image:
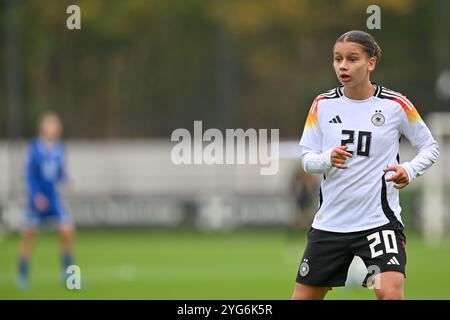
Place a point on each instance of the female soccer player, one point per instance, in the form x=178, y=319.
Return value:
x=44, y=171
x=351, y=137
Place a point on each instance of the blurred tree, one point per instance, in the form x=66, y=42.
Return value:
x=143, y=68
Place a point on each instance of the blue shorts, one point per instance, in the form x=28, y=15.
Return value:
x=59, y=218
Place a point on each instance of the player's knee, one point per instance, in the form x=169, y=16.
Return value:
x=297, y=295
x=390, y=294
x=29, y=235
x=67, y=231
x=67, y=239
x=303, y=292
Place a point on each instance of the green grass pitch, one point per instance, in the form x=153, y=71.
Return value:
x=184, y=264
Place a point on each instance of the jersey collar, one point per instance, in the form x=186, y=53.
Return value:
x=340, y=90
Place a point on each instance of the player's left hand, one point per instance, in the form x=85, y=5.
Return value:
x=400, y=177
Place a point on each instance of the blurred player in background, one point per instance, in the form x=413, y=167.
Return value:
x=305, y=187
x=45, y=170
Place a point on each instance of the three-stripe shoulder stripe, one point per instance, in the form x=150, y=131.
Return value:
x=384, y=89
x=393, y=95
x=330, y=94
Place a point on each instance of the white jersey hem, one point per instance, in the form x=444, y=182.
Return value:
x=343, y=230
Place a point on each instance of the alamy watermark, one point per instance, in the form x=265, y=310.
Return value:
x=213, y=147
x=374, y=20
x=73, y=277
x=374, y=279
x=73, y=22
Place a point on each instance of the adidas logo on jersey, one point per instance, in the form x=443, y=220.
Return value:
x=336, y=119
x=394, y=261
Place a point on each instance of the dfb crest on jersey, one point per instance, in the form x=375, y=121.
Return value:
x=378, y=118
x=304, y=268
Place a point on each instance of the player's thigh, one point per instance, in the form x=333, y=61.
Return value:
x=66, y=232
x=306, y=292
x=390, y=285
x=64, y=222
x=28, y=238
x=32, y=222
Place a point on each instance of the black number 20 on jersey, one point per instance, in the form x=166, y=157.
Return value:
x=364, y=138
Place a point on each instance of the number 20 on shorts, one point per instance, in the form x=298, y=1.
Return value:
x=389, y=241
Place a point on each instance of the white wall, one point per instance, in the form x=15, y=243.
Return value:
x=144, y=167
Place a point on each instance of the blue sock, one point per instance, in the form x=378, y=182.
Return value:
x=23, y=266
x=67, y=260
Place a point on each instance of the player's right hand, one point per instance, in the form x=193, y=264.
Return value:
x=338, y=157
x=41, y=202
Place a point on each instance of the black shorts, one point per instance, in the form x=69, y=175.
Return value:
x=328, y=255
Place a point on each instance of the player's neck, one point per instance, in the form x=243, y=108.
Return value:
x=361, y=92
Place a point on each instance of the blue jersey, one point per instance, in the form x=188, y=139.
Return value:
x=44, y=171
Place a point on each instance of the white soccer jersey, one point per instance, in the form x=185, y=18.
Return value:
x=358, y=198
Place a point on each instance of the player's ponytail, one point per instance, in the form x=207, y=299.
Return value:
x=366, y=40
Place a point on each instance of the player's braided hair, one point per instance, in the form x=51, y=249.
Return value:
x=368, y=42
